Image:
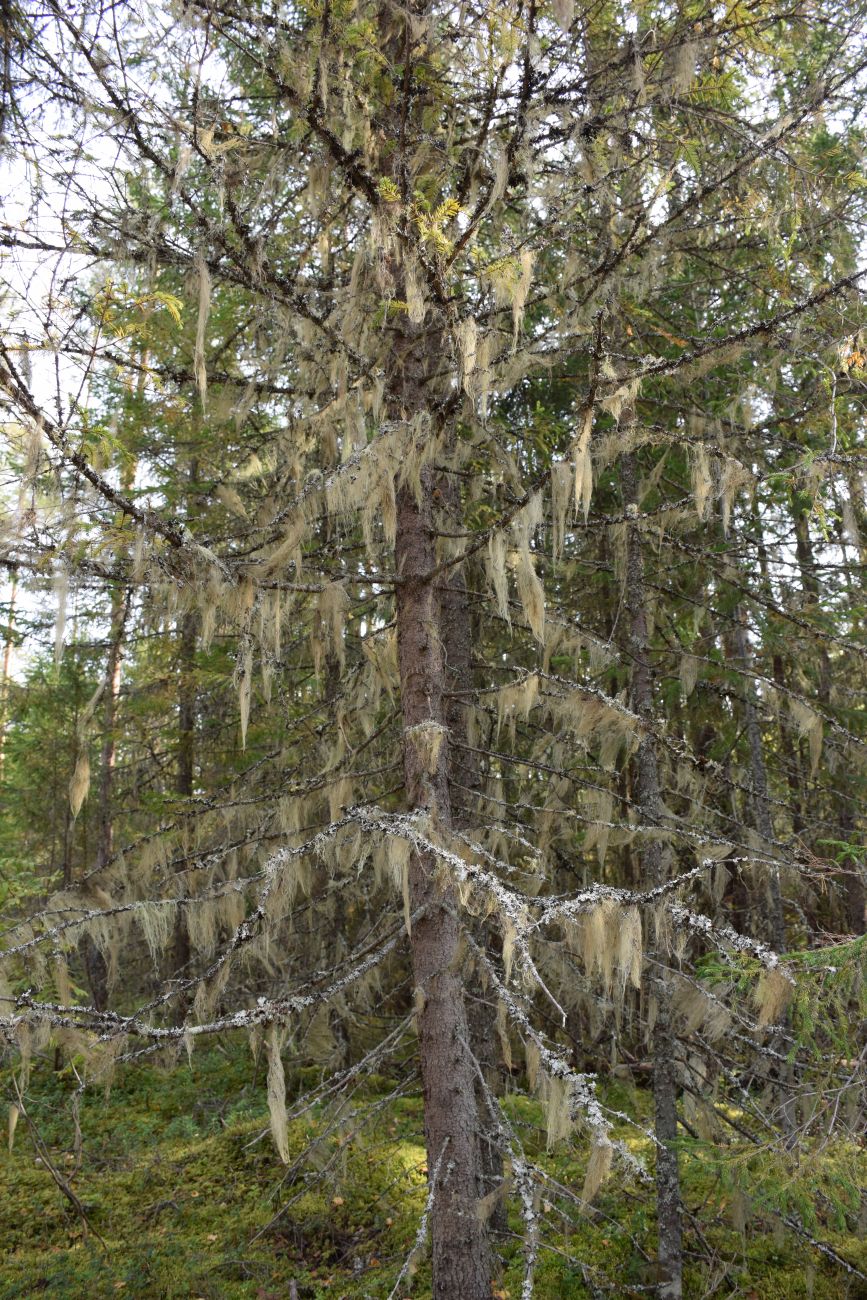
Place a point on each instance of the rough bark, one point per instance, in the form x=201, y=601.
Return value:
x=669, y=1205
x=460, y=1256
x=461, y=1264
x=464, y=783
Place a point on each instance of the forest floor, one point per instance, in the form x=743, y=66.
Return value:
x=180, y=1194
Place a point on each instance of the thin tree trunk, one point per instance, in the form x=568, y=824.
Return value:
x=461, y=1269
x=68, y=819
x=776, y=921
x=7, y=664
x=105, y=824
x=185, y=771
x=855, y=534
x=854, y=891
x=759, y=781
x=810, y=584
x=464, y=784
x=850, y=533
x=185, y=774
x=669, y=1205
x=94, y=961
x=67, y=847
x=790, y=746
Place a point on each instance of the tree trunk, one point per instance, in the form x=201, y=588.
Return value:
x=776, y=921
x=94, y=961
x=669, y=1206
x=461, y=1269
x=759, y=782
x=7, y=664
x=854, y=891
x=461, y=1265
x=185, y=771
x=184, y=781
x=464, y=784
x=788, y=737
x=105, y=824
x=850, y=533
x=810, y=585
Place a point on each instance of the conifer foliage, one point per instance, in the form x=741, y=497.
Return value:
x=438, y=431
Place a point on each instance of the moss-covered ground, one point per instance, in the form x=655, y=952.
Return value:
x=185, y=1197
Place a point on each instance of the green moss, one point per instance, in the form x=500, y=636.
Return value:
x=179, y=1180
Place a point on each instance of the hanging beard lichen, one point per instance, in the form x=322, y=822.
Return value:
x=530, y=593
x=517, y=701
x=773, y=993
x=231, y=500
x=629, y=947
x=244, y=681
x=521, y=292
x=809, y=724
x=497, y=574
x=14, y=1112
x=276, y=1091
x=61, y=591
x=556, y=1097
x=733, y=478
x=391, y=859
x=332, y=605
x=561, y=489
x=155, y=920
x=702, y=480
x=204, y=308
x=584, y=465
x=468, y=336
x=598, y=1167
x=689, y=670
x=427, y=739
x=595, y=937
x=79, y=783
x=564, y=12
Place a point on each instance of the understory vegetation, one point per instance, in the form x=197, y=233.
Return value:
x=181, y=1194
